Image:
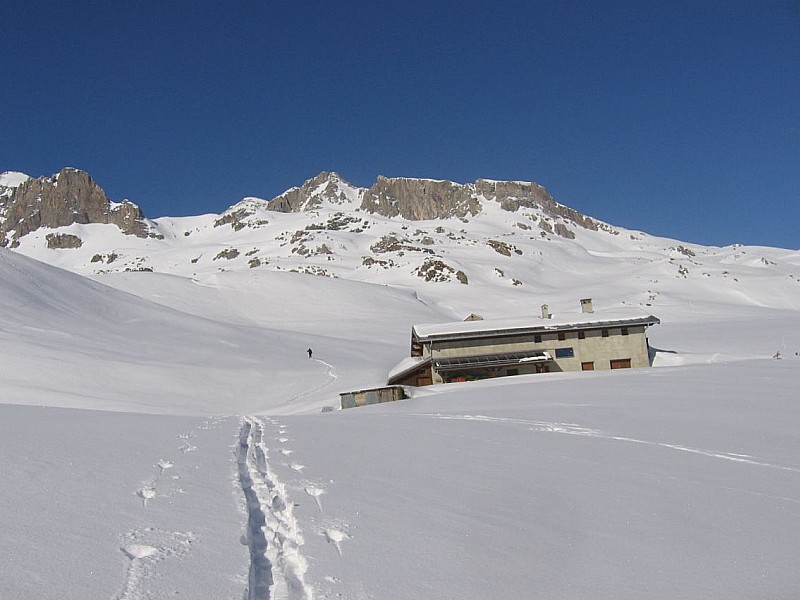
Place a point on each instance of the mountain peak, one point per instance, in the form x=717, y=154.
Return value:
x=67, y=197
x=326, y=188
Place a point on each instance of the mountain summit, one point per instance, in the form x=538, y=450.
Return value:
x=70, y=196
x=426, y=199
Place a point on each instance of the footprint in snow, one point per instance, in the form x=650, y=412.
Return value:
x=285, y=451
x=146, y=548
x=315, y=492
x=297, y=467
x=336, y=537
x=134, y=551
x=164, y=465
x=146, y=493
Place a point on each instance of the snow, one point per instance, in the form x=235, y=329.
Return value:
x=165, y=434
x=12, y=179
x=404, y=365
x=428, y=330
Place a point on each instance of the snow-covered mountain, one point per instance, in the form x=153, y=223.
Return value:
x=164, y=432
x=509, y=244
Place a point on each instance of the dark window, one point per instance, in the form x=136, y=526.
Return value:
x=561, y=336
x=624, y=331
x=512, y=372
x=537, y=339
x=581, y=335
x=604, y=333
x=587, y=366
x=564, y=353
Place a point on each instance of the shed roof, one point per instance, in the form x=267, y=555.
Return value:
x=406, y=366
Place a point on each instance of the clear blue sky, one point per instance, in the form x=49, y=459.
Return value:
x=680, y=118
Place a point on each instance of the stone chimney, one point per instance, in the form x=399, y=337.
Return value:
x=586, y=305
x=546, y=312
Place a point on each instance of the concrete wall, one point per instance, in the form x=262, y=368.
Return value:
x=372, y=396
x=602, y=350
x=592, y=348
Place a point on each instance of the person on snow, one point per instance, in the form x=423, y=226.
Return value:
x=309, y=352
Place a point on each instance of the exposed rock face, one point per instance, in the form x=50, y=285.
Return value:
x=63, y=240
x=325, y=187
x=70, y=196
x=420, y=199
x=513, y=195
x=426, y=199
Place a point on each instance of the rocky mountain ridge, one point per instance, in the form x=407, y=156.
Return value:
x=499, y=242
x=70, y=196
x=427, y=199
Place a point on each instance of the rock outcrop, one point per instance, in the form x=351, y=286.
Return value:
x=70, y=196
x=428, y=199
x=63, y=240
x=420, y=199
x=326, y=187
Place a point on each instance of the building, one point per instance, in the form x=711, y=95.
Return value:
x=479, y=349
x=372, y=396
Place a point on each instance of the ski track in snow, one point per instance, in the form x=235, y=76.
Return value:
x=333, y=376
x=574, y=429
x=277, y=565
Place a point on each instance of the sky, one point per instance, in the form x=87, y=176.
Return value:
x=675, y=118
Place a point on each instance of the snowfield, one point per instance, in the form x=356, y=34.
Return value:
x=167, y=436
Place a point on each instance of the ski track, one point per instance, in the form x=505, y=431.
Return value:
x=574, y=429
x=277, y=565
x=333, y=376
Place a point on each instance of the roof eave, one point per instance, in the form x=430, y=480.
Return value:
x=405, y=372
x=644, y=321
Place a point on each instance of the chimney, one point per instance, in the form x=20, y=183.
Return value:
x=586, y=305
x=546, y=312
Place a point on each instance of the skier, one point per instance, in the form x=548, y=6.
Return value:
x=309, y=352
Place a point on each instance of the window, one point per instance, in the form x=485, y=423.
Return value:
x=510, y=372
x=537, y=339
x=621, y=363
x=564, y=353
x=624, y=331
x=581, y=335
x=561, y=336
x=587, y=366
x=604, y=333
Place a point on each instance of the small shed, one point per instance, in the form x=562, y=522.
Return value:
x=372, y=396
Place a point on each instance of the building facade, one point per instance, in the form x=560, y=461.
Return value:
x=470, y=350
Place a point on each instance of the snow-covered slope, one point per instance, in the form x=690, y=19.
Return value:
x=497, y=263
x=165, y=433
x=12, y=179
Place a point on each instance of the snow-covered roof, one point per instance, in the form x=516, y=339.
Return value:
x=406, y=365
x=530, y=324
